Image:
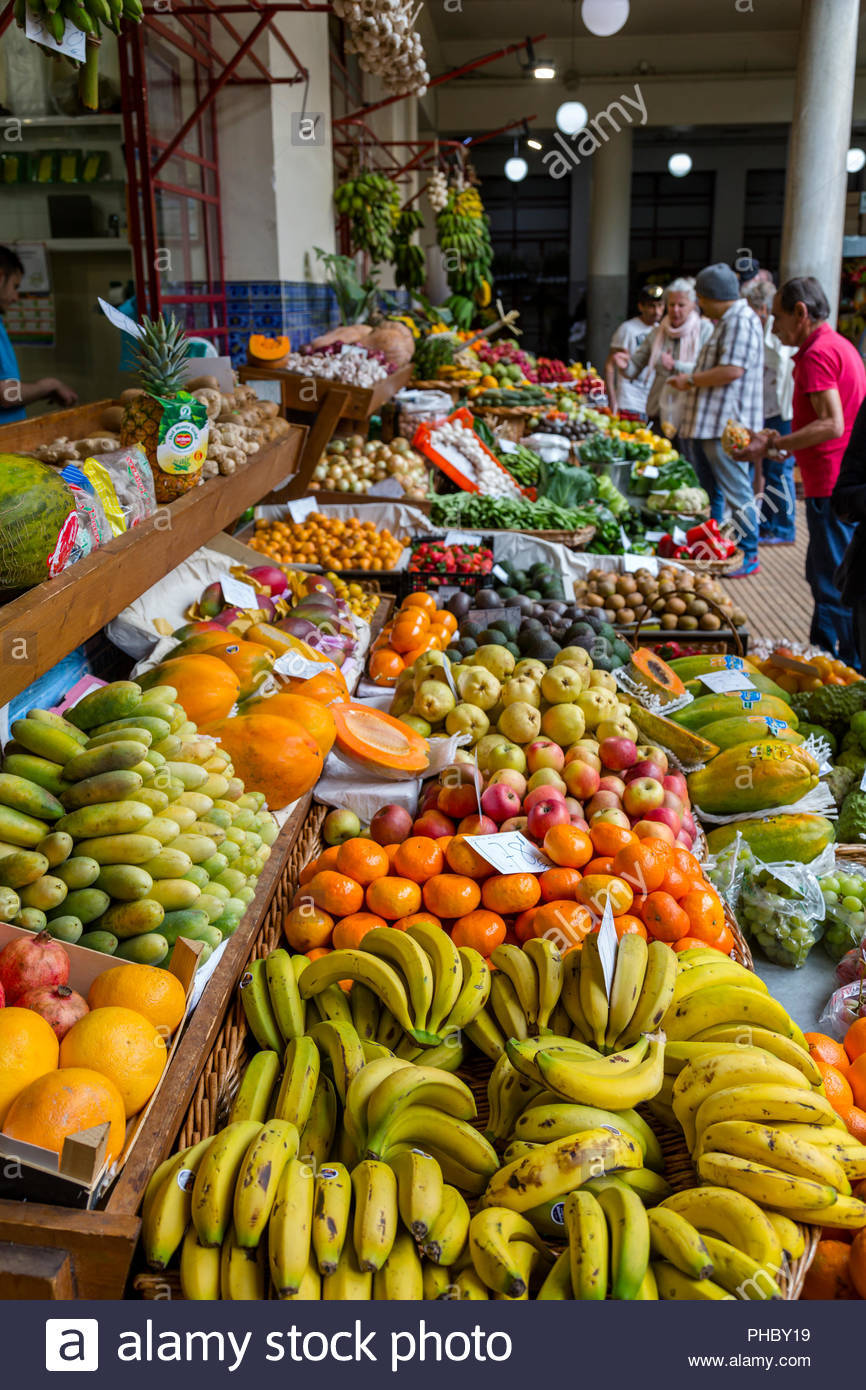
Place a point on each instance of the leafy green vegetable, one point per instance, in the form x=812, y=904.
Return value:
x=610, y=494
x=602, y=448
x=566, y=485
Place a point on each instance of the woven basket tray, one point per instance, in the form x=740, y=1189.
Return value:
x=715, y=567
x=221, y=1077
x=574, y=540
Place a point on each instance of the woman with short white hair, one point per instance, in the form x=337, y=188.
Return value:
x=774, y=477
x=673, y=345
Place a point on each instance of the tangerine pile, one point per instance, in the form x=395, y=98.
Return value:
x=654, y=889
x=418, y=627
x=843, y=1067
x=349, y=544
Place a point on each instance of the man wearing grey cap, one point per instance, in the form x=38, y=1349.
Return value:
x=726, y=384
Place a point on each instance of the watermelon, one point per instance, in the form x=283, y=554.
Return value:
x=37, y=522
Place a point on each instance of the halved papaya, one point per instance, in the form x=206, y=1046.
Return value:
x=647, y=669
x=377, y=740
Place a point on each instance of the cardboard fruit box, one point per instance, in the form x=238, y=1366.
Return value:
x=79, y=1175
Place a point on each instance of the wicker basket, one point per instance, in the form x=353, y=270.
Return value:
x=573, y=540
x=715, y=568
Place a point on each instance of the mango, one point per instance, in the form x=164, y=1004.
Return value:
x=46, y=893
x=215, y=864
x=198, y=847
x=111, y=818
x=182, y=814
x=56, y=847
x=152, y=797
x=104, y=941
x=132, y=919
x=169, y=746
x=231, y=879
x=198, y=875
x=128, y=882
x=211, y=936
x=10, y=905
x=78, y=872
x=114, y=757
x=157, y=728
x=45, y=740
x=148, y=949
x=22, y=867
x=114, y=701
x=209, y=830
x=190, y=774
x=211, y=905
x=196, y=802
x=30, y=919
x=120, y=849
x=87, y=903
x=163, y=829
x=47, y=774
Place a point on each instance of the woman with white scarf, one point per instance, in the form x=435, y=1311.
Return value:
x=673, y=345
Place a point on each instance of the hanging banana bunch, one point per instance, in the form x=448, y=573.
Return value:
x=59, y=16
x=463, y=232
x=410, y=263
x=372, y=204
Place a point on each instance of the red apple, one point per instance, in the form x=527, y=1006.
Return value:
x=514, y=823
x=499, y=802
x=603, y=801
x=430, y=800
x=618, y=753
x=675, y=782
x=674, y=803
x=458, y=801
x=654, y=830
x=655, y=754
x=543, y=752
x=434, y=824
x=391, y=825
x=575, y=807
x=581, y=779
x=613, y=784
x=645, y=769
x=510, y=778
x=642, y=795
x=544, y=815
x=665, y=816
x=685, y=839
x=609, y=815
x=580, y=823
x=579, y=752
x=537, y=794
x=689, y=824
x=476, y=825
x=546, y=777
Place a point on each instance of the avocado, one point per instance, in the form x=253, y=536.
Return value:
x=533, y=593
x=507, y=592
x=467, y=645
x=514, y=649
x=470, y=628
x=508, y=629
x=454, y=655
x=492, y=637
x=459, y=604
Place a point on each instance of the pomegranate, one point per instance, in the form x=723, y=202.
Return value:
x=2, y=998
x=31, y=962
x=58, y=1005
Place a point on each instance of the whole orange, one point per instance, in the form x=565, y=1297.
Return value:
x=643, y=864
x=836, y=1087
x=563, y=922
x=350, y=931
x=855, y=1039
x=156, y=994
x=451, y=895
x=336, y=893
x=422, y=918
x=829, y=1276
x=857, y=1080
x=461, y=858
x=568, y=846
x=65, y=1102
x=509, y=893
x=558, y=883
x=362, y=860
x=121, y=1045
x=393, y=897
x=598, y=889
x=29, y=1049
x=482, y=930
x=307, y=927
x=419, y=858
x=826, y=1049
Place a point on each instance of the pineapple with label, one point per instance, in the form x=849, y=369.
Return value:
x=162, y=352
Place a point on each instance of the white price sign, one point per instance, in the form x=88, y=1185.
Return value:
x=655, y=536
x=500, y=573
x=679, y=536
x=121, y=321
x=301, y=508
x=607, y=946
x=300, y=666
x=73, y=43
x=509, y=852
x=462, y=538
x=863, y=782
x=631, y=563
x=724, y=682
x=650, y=471
x=388, y=487
x=238, y=594
x=506, y=446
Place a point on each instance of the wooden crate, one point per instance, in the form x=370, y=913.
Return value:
x=80, y=421
x=62, y=1253
x=308, y=393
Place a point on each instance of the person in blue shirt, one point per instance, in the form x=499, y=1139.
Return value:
x=15, y=394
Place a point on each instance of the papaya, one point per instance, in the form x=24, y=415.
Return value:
x=758, y=679
x=647, y=669
x=56, y=847
x=134, y=731
x=45, y=740
x=23, y=867
x=128, y=882
x=114, y=757
x=797, y=838
x=157, y=728
x=114, y=701
x=132, y=919
x=47, y=774
x=753, y=777
x=189, y=922
x=121, y=849
x=105, y=786
x=111, y=818
x=689, y=667
x=104, y=941
x=706, y=708
x=687, y=746
x=87, y=904
x=151, y=948
x=46, y=893
x=56, y=721
x=21, y=794
x=18, y=829
x=78, y=872
x=727, y=733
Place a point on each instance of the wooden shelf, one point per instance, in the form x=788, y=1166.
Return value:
x=42, y=626
x=308, y=393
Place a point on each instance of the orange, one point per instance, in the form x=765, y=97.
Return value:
x=393, y=897
x=704, y=910
x=444, y=618
x=63, y=1103
x=29, y=1049
x=829, y=1275
x=481, y=930
x=426, y=602
x=664, y=918
x=156, y=994
x=724, y=942
x=336, y=893
x=836, y=1088
x=441, y=633
x=419, y=858
x=426, y=919
x=855, y=1038
x=510, y=892
x=463, y=859
x=854, y=1120
x=626, y=925
x=318, y=952
x=385, y=667
x=826, y=1049
x=363, y=860
x=601, y=864
x=598, y=889
x=643, y=864
x=608, y=838
x=562, y=922
x=558, y=883
x=451, y=895
x=688, y=943
x=568, y=846
x=307, y=927
x=350, y=931
x=857, y=1080
x=121, y=1045
x=328, y=858
x=391, y=851
x=523, y=924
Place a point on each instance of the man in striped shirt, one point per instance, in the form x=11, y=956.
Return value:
x=726, y=384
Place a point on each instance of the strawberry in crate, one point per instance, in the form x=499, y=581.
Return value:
x=435, y=557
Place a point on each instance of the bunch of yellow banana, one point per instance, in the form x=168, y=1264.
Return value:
x=525, y=989
x=641, y=992
x=574, y=1071
x=426, y=988
x=711, y=991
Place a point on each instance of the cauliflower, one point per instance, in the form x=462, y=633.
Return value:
x=684, y=501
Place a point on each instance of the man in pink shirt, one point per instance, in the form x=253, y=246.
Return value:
x=829, y=386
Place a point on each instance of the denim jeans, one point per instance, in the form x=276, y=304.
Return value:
x=778, y=507
x=728, y=480
x=832, y=622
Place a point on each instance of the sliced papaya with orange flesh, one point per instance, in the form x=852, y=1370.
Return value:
x=647, y=668
x=378, y=740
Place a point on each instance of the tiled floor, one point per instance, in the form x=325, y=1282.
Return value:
x=778, y=600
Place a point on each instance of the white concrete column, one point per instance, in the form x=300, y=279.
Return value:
x=609, y=235
x=820, y=136
x=303, y=169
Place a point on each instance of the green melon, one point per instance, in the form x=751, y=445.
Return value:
x=37, y=510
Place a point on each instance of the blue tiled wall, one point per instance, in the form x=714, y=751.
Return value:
x=300, y=309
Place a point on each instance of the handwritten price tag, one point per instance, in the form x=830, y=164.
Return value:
x=607, y=946
x=509, y=852
x=462, y=538
x=301, y=508
x=724, y=682
x=679, y=536
x=238, y=594
x=121, y=321
x=72, y=43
